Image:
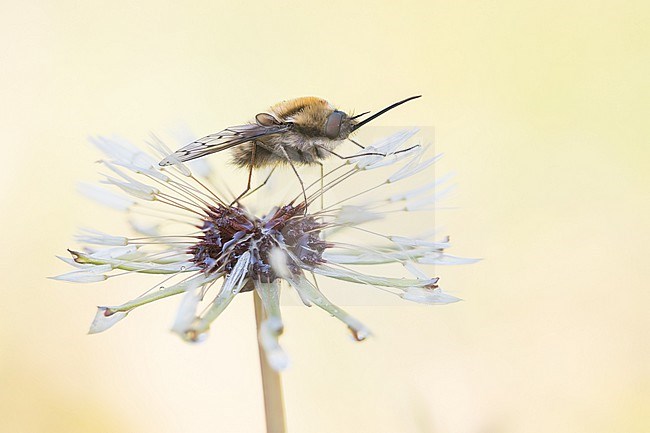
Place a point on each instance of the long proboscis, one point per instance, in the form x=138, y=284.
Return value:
x=390, y=107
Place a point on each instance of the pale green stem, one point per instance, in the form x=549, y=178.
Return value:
x=271, y=382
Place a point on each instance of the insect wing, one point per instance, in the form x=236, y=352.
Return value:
x=222, y=140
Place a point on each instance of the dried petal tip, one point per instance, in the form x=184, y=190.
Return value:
x=359, y=334
x=104, y=319
x=428, y=296
x=194, y=336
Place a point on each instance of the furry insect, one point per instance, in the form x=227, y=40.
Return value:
x=300, y=131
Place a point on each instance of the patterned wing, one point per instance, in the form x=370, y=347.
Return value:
x=222, y=140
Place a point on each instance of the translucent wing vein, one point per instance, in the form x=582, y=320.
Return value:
x=222, y=140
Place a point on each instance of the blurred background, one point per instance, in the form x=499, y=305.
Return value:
x=541, y=109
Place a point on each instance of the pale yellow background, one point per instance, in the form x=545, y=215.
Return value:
x=542, y=110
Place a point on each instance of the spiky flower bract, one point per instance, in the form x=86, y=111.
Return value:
x=195, y=237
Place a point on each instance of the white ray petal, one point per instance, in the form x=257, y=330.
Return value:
x=316, y=297
x=386, y=146
x=105, y=197
x=354, y=215
x=165, y=292
x=416, y=191
x=413, y=167
x=413, y=242
x=415, y=271
x=114, y=253
x=145, y=267
x=145, y=229
x=358, y=277
x=91, y=274
x=123, y=151
x=278, y=259
x=96, y=237
x=134, y=189
x=446, y=259
x=147, y=171
x=186, y=313
x=165, y=152
x=235, y=281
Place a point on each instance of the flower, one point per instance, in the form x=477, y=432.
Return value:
x=194, y=236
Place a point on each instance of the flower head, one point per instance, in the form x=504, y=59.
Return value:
x=188, y=231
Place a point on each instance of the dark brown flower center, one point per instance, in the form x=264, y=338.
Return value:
x=228, y=232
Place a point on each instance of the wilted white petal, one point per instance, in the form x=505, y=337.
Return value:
x=415, y=271
x=375, y=256
x=71, y=262
x=428, y=296
x=268, y=337
x=105, y=197
x=358, y=277
x=102, y=240
x=145, y=229
x=104, y=319
x=99, y=238
x=168, y=155
x=114, y=253
x=395, y=157
x=233, y=284
x=402, y=240
x=311, y=292
x=446, y=259
x=165, y=292
x=151, y=267
x=361, y=258
x=186, y=313
x=391, y=143
x=385, y=146
x=427, y=202
x=200, y=167
x=353, y=215
x=148, y=171
x=114, y=150
x=414, y=192
x=278, y=261
x=123, y=152
x=90, y=274
x=271, y=327
x=413, y=167
x=135, y=189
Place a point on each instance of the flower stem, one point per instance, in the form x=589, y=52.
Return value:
x=271, y=382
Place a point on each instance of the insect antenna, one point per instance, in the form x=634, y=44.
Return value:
x=359, y=115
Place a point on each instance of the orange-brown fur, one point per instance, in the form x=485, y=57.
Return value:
x=305, y=143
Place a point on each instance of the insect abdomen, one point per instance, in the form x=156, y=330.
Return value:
x=269, y=151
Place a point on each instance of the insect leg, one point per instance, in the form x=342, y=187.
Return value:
x=302, y=185
x=250, y=176
x=322, y=192
x=262, y=184
x=367, y=153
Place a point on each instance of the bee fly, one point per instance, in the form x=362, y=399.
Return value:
x=300, y=131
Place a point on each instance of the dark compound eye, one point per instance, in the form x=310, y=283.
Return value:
x=333, y=124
